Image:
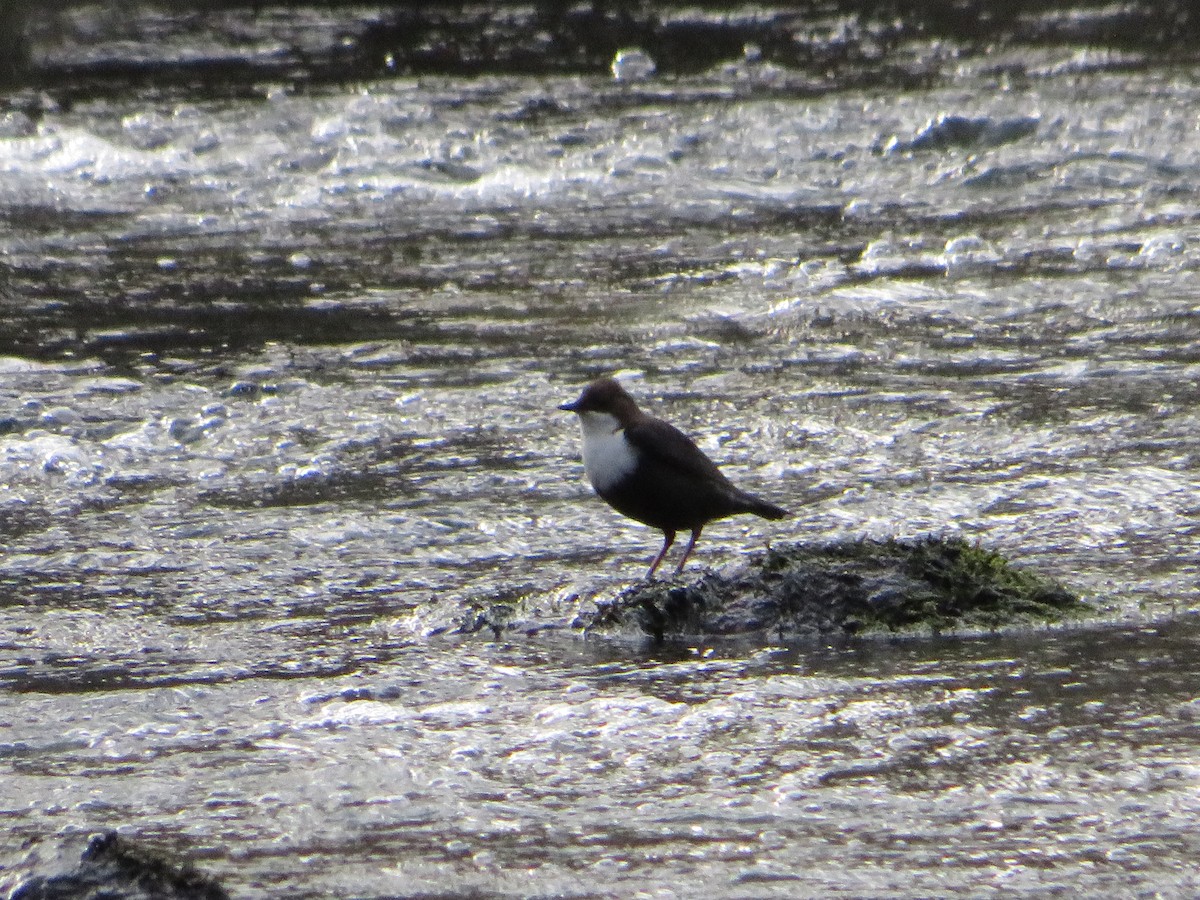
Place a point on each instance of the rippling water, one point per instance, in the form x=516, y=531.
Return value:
x=1028, y=765
x=279, y=381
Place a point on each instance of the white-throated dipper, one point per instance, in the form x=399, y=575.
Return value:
x=650, y=471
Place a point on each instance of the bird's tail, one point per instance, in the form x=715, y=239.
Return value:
x=760, y=507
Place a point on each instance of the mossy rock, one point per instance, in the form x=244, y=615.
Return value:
x=850, y=587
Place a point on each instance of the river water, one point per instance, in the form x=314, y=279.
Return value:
x=278, y=380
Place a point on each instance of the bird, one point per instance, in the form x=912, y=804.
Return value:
x=647, y=469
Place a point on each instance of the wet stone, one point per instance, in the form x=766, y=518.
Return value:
x=844, y=588
x=116, y=868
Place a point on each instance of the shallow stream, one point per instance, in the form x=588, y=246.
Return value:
x=277, y=401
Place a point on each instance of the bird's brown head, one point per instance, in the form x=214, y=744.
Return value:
x=605, y=395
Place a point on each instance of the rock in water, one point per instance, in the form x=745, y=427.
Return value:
x=116, y=868
x=850, y=587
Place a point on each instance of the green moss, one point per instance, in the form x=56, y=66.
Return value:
x=970, y=585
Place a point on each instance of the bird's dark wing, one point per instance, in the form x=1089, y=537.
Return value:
x=664, y=443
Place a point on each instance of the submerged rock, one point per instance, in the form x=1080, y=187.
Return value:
x=948, y=131
x=851, y=587
x=116, y=868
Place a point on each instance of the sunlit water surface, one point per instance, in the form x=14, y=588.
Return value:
x=278, y=412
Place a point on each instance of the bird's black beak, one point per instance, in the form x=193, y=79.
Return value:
x=573, y=406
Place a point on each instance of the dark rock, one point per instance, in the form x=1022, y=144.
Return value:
x=116, y=868
x=948, y=131
x=851, y=587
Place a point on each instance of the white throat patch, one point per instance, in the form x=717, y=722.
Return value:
x=607, y=456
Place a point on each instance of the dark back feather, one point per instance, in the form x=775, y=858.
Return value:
x=667, y=444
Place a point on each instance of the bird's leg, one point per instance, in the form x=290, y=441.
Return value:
x=668, y=540
x=688, y=552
